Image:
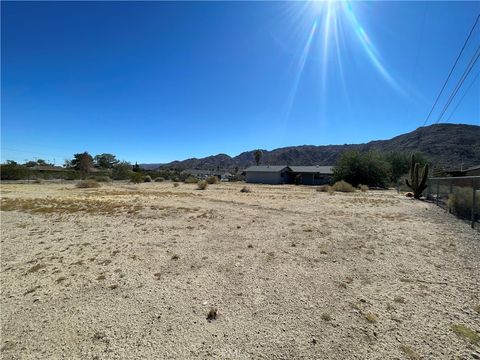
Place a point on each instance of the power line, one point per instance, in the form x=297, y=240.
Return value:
x=451, y=70
x=465, y=74
x=463, y=96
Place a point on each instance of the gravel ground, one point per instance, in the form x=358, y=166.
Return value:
x=132, y=271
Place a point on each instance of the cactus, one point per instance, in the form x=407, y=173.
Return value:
x=418, y=178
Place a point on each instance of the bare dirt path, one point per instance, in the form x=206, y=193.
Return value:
x=131, y=271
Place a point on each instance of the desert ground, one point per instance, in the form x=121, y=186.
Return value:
x=132, y=271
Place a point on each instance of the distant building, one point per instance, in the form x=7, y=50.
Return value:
x=472, y=171
x=283, y=174
x=202, y=174
x=311, y=175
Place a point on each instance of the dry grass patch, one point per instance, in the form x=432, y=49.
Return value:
x=68, y=206
x=87, y=184
x=371, y=318
x=409, y=352
x=343, y=186
x=466, y=333
x=326, y=317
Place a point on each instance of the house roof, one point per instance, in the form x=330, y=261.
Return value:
x=312, y=169
x=266, y=168
x=473, y=168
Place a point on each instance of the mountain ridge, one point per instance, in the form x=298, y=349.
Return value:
x=449, y=146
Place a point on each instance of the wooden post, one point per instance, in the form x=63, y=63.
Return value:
x=438, y=191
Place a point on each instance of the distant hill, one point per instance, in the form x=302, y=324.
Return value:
x=445, y=145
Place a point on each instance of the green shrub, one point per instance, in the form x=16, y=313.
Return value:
x=460, y=202
x=159, y=179
x=176, y=184
x=191, y=180
x=343, y=186
x=89, y=183
x=212, y=179
x=136, y=178
x=147, y=178
x=363, y=188
x=202, y=185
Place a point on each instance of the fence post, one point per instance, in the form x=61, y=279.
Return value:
x=473, y=206
x=438, y=192
x=449, y=195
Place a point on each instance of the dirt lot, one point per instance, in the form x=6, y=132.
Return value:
x=131, y=271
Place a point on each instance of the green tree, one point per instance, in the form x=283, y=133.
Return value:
x=122, y=171
x=257, y=154
x=400, y=163
x=82, y=162
x=368, y=168
x=105, y=161
x=136, y=167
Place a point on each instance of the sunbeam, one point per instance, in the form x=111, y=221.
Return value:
x=333, y=21
x=300, y=67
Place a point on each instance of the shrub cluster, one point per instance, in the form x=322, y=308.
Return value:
x=159, y=179
x=191, y=180
x=147, y=178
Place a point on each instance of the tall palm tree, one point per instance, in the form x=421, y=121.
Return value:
x=258, y=155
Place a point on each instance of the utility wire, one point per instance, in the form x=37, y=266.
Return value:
x=465, y=74
x=451, y=71
x=463, y=96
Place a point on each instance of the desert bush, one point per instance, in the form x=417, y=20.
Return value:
x=100, y=178
x=202, y=185
x=147, y=178
x=89, y=183
x=136, y=177
x=212, y=179
x=326, y=188
x=460, y=202
x=245, y=189
x=159, y=179
x=343, y=186
x=363, y=188
x=176, y=184
x=191, y=180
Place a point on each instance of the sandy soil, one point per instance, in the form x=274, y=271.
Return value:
x=131, y=271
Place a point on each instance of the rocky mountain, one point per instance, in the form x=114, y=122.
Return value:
x=445, y=145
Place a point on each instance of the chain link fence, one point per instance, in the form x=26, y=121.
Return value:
x=459, y=195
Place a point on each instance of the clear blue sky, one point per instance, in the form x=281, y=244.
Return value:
x=159, y=81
